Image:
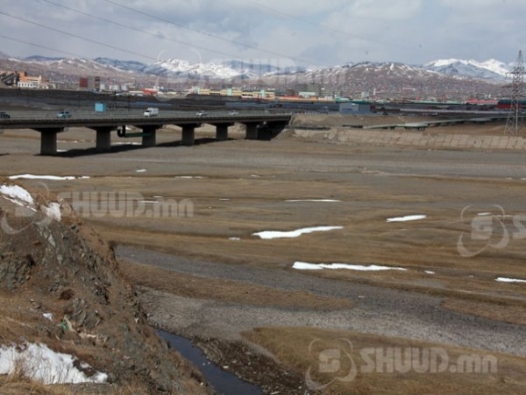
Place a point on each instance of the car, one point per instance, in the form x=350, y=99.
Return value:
x=4, y=115
x=233, y=112
x=200, y=113
x=63, y=114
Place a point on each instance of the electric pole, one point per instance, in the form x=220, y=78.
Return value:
x=514, y=122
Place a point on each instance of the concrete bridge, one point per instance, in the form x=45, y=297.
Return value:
x=259, y=125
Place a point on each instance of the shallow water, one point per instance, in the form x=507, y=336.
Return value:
x=223, y=382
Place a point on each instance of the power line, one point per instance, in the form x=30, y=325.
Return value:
x=212, y=35
x=40, y=46
x=139, y=30
x=75, y=36
x=331, y=29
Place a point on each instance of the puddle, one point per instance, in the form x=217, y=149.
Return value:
x=224, y=383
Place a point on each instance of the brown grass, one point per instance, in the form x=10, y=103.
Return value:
x=514, y=314
x=299, y=349
x=225, y=290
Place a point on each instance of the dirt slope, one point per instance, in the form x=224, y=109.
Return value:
x=62, y=267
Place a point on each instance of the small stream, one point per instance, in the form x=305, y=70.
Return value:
x=223, y=382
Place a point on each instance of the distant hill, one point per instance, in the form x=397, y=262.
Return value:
x=449, y=77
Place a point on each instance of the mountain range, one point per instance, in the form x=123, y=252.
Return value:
x=490, y=70
x=441, y=78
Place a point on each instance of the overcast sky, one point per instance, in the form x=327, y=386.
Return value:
x=281, y=32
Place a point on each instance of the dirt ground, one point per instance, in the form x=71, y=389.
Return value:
x=202, y=273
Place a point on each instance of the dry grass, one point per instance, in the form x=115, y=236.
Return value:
x=495, y=311
x=226, y=290
x=300, y=348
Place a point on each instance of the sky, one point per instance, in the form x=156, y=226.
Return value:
x=310, y=33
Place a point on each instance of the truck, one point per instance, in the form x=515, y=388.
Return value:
x=151, y=112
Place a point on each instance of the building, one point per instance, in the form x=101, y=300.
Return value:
x=26, y=81
x=91, y=83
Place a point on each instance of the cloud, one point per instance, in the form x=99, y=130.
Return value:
x=309, y=32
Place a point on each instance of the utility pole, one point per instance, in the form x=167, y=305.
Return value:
x=514, y=122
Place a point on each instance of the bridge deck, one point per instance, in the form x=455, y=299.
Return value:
x=47, y=123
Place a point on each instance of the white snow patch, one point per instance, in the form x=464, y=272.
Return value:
x=48, y=316
x=429, y=272
x=53, y=211
x=17, y=195
x=276, y=234
x=509, y=280
x=483, y=214
x=234, y=238
x=313, y=200
x=43, y=364
x=54, y=178
x=224, y=200
x=406, y=218
x=320, y=266
x=140, y=171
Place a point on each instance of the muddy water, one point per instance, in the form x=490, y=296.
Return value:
x=223, y=382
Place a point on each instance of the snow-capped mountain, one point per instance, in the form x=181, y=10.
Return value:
x=489, y=70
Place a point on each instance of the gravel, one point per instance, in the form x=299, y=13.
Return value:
x=378, y=310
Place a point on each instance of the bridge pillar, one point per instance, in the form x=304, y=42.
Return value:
x=252, y=130
x=48, y=140
x=222, y=131
x=103, y=143
x=271, y=130
x=149, y=138
x=188, y=135
x=48, y=143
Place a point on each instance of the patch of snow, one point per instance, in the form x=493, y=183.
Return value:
x=406, y=218
x=483, y=214
x=276, y=234
x=509, y=280
x=53, y=211
x=17, y=195
x=34, y=177
x=362, y=268
x=224, y=200
x=429, y=272
x=234, y=238
x=48, y=316
x=43, y=364
x=140, y=171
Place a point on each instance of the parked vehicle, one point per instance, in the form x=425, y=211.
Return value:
x=4, y=115
x=151, y=112
x=63, y=114
x=201, y=113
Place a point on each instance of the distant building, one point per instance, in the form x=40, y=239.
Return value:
x=91, y=83
x=26, y=81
